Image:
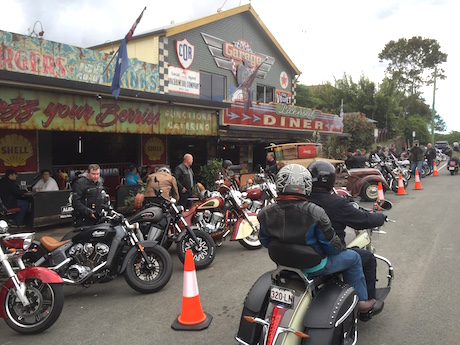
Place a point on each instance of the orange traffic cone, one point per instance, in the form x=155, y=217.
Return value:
x=417, y=185
x=435, y=169
x=401, y=190
x=380, y=197
x=192, y=317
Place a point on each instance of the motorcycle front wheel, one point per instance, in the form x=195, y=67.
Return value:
x=203, y=251
x=146, y=279
x=46, y=303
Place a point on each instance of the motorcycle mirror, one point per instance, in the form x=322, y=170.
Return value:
x=386, y=205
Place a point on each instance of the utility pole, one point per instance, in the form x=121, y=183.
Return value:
x=433, y=112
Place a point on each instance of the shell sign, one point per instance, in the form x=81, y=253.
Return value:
x=153, y=150
x=18, y=150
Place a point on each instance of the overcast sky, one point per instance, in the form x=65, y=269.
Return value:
x=324, y=39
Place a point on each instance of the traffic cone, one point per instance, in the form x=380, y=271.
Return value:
x=192, y=317
x=435, y=169
x=380, y=197
x=417, y=185
x=401, y=190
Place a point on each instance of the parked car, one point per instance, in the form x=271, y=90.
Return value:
x=441, y=145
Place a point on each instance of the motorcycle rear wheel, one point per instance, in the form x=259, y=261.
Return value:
x=203, y=255
x=148, y=280
x=46, y=303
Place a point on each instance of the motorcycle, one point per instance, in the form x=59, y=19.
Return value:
x=99, y=253
x=286, y=307
x=31, y=298
x=261, y=194
x=161, y=220
x=223, y=213
x=452, y=166
x=390, y=173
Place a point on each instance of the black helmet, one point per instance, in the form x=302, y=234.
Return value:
x=323, y=174
x=293, y=179
x=226, y=163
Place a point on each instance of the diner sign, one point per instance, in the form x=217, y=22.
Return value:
x=282, y=116
x=42, y=110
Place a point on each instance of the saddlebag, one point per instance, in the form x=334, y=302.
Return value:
x=331, y=315
x=255, y=305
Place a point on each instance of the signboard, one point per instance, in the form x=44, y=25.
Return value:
x=282, y=116
x=184, y=81
x=283, y=97
x=30, y=55
x=153, y=150
x=284, y=79
x=18, y=150
x=42, y=110
x=185, y=52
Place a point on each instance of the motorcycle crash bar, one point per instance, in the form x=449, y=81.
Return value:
x=282, y=329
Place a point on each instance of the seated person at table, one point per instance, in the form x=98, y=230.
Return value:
x=11, y=195
x=46, y=183
x=132, y=177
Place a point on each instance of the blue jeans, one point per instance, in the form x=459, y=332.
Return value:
x=418, y=165
x=349, y=263
x=23, y=206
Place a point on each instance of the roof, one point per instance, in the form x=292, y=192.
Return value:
x=175, y=29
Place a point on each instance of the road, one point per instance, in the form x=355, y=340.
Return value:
x=422, y=308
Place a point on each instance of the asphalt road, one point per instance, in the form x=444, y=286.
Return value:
x=422, y=308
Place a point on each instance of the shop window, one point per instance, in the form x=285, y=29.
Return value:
x=212, y=87
x=265, y=94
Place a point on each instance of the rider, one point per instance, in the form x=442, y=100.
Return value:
x=225, y=173
x=453, y=154
x=292, y=219
x=342, y=214
x=163, y=180
x=87, y=197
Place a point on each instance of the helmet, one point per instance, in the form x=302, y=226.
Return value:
x=164, y=169
x=455, y=144
x=293, y=179
x=226, y=163
x=323, y=174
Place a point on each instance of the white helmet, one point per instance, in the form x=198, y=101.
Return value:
x=164, y=169
x=294, y=179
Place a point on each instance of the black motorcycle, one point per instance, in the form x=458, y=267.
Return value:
x=99, y=253
x=390, y=172
x=161, y=220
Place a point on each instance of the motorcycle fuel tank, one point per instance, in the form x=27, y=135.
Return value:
x=254, y=193
x=101, y=232
x=212, y=203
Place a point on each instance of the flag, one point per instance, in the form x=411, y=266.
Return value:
x=130, y=33
x=246, y=88
x=122, y=59
x=120, y=68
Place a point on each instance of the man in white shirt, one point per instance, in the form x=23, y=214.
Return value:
x=46, y=183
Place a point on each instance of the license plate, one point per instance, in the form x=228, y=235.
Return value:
x=282, y=295
x=451, y=168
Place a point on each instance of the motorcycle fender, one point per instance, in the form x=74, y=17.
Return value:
x=145, y=244
x=242, y=228
x=377, y=179
x=332, y=314
x=360, y=241
x=42, y=273
x=254, y=305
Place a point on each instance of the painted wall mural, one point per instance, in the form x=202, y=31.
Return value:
x=41, y=110
x=30, y=55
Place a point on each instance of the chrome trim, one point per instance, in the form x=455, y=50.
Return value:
x=60, y=265
x=241, y=341
x=348, y=312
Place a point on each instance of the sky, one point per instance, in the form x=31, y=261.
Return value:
x=324, y=39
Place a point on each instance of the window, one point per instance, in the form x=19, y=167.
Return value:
x=212, y=87
x=265, y=94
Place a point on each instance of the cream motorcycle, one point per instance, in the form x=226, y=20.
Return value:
x=286, y=307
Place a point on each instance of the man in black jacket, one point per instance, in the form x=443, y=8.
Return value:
x=11, y=195
x=342, y=214
x=184, y=177
x=87, y=198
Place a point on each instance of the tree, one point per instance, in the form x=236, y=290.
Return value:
x=361, y=131
x=439, y=124
x=412, y=62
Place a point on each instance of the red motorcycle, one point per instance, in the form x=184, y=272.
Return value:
x=31, y=298
x=261, y=194
x=223, y=213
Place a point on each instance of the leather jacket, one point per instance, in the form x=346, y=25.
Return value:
x=299, y=222
x=165, y=182
x=181, y=173
x=87, y=199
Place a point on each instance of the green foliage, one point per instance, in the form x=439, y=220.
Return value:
x=361, y=131
x=412, y=62
x=450, y=137
x=208, y=173
x=415, y=123
x=129, y=200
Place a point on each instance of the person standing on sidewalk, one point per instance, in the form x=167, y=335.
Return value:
x=416, y=158
x=430, y=155
x=184, y=177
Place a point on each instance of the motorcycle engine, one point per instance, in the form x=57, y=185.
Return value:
x=86, y=257
x=210, y=221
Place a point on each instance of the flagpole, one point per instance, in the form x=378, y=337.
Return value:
x=113, y=56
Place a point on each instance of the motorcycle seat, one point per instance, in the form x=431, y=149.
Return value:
x=300, y=256
x=51, y=244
